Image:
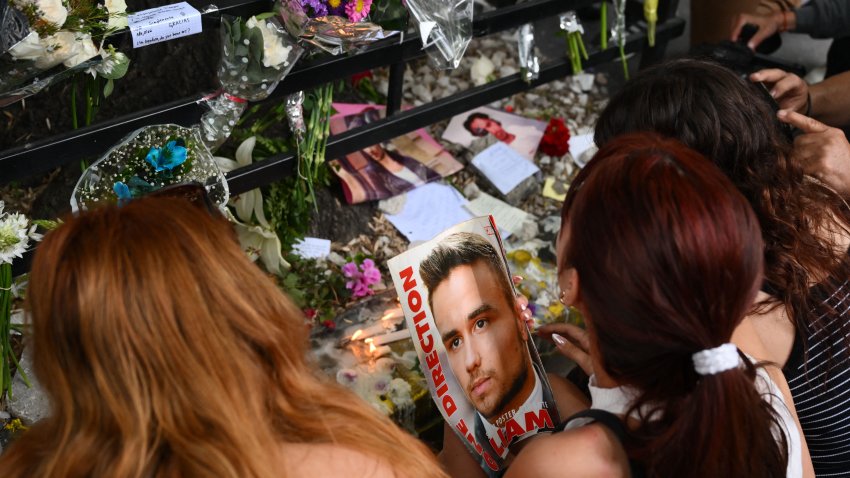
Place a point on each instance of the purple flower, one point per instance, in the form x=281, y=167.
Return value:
x=314, y=8
x=361, y=277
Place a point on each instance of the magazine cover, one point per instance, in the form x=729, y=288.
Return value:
x=521, y=134
x=386, y=169
x=474, y=348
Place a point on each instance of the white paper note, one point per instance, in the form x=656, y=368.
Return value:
x=312, y=248
x=429, y=210
x=508, y=218
x=579, y=144
x=503, y=166
x=163, y=23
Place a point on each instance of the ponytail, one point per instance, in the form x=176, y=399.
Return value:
x=721, y=428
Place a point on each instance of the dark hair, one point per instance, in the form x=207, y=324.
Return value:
x=669, y=258
x=459, y=249
x=714, y=111
x=477, y=131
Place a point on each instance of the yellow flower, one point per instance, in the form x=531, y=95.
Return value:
x=15, y=425
x=334, y=3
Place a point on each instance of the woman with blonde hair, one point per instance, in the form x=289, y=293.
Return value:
x=165, y=352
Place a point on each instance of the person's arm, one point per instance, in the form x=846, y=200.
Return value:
x=823, y=18
x=831, y=99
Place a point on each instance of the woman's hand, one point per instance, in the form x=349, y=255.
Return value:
x=571, y=341
x=522, y=303
x=788, y=89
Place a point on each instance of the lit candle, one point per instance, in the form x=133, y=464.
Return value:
x=376, y=352
x=390, y=337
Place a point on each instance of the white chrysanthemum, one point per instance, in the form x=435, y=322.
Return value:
x=52, y=11
x=14, y=237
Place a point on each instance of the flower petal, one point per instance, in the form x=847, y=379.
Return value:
x=224, y=164
x=245, y=152
x=245, y=205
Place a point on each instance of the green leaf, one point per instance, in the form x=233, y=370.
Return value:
x=108, y=87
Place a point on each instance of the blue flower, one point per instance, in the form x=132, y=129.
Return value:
x=167, y=158
x=123, y=192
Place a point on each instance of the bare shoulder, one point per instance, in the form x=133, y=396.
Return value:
x=588, y=451
x=331, y=460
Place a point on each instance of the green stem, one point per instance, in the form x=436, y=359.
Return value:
x=74, y=103
x=623, y=59
x=6, y=355
x=603, y=24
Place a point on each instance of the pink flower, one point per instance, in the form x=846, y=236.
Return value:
x=357, y=10
x=361, y=277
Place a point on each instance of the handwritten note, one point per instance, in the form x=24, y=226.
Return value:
x=163, y=23
x=503, y=166
x=509, y=218
x=312, y=248
x=429, y=210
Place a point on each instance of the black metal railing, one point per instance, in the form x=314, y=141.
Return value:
x=44, y=155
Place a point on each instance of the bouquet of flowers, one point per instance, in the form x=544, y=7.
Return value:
x=37, y=35
x=146, y=160
x=15, y=236
x=255, y=55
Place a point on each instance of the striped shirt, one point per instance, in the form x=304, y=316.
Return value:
x=820, y=386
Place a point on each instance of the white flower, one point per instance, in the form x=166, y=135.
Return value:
x=52, y=11
x=117, y=13
x=274, y=52
x=262, y=243
x=250, y=203
x=113, y=66
x=29, y=48
x=481, y=69
x=57, y=48
x=15, y=235
x=84, y=49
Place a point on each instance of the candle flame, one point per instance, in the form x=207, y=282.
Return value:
x=372, y=348
x=357, y=334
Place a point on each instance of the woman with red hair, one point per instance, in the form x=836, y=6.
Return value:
x=663, y=257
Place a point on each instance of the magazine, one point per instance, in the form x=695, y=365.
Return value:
x=386, y=169
x=474, y=347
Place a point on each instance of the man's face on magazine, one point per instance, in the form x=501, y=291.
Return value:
x=480, y=330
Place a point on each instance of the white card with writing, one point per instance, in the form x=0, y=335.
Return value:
x=312, y=248
x=163, y=23
x=510, y=219
x=503, y=166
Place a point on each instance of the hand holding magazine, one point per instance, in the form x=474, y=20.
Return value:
x=474, y=348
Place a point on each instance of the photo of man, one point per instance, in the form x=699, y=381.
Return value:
x=481, y=327
x=480, y=124
x=488, y=124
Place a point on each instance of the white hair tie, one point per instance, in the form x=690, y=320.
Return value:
x=719, y=359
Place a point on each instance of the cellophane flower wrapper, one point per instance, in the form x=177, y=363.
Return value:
x=18, y=43
x=445, y=27
x=130, y=166
x=255, y=56
x=330, y=33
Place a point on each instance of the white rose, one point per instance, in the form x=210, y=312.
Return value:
x=52, y=11
x=84, y=49
x=58, y=48
x=481, y=69
x=117, y=13
x=274, y=52
x=29, y=48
